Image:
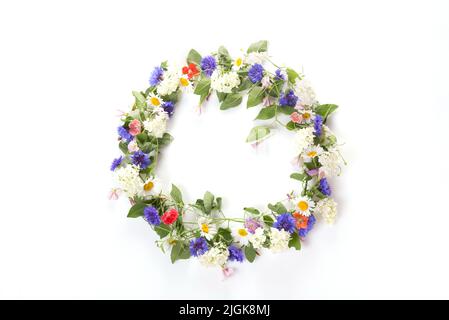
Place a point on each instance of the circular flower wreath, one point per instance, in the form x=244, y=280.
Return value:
x=287, y=100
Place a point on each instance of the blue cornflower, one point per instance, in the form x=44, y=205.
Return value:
x=285, y=221
x=140, y=159
x=255, y=73
x=156, y=76
x=324, y=187
x=279, y=75
x=310, y=223
x=208, y=65
x=124, y=134
x=235, y=254
x=288, y=99
x=151, y=215
x=116, y=162
x=198, y=247
x=318, y=125
x=168, y=107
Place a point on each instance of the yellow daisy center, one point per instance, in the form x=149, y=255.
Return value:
x=205, y=228
x=148, y=186
x=238, y=62
x=171, y=242
x=155, y=101
x=306, y=115
x=303, y=205
x=311, y=154
x=184, y=82
x=242, y=232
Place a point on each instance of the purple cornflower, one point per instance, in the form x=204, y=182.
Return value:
x=235, y=254
x=310, y=223
x=208, y=65
x=198, y=247
x=279, y=75
x=285, y=221
x=116, y=162
x=324, y=187
x=140, y=159
x=156, y=76
x=151, y=215
x=318, y=125
x=288, y=99
x=255, y=73
x=124, y=134
x=168, y=107
x=252, y=224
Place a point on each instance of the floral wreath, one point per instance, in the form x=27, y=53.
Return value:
x=286, y=99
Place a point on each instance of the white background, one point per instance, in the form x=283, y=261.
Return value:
x=67, y=66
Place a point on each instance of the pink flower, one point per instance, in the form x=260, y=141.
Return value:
x=135, y=127
x=170, y=216
x=227, y=272
x=132, y=146
x=266, y=82
x=296, y=117
x=114, y=194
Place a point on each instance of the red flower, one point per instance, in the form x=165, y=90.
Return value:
x=185, y=70
x=191, y=70
x=170, y=216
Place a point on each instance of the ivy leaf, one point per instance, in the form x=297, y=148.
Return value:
x=266, y=113
x=232, y=100
x=179, y=251
x=259, y=46
x=255, y=97
x=299, y=176
x=250, y=253
x=194, y=57
x=292, y=75
x=176, y=195
x=202, y=87
x=258, y=133
x=252, y=210
x=325, y=110
x=279, y=208
x=136, y=210
x=162, y=230
x=208, y=202
x=268, y=220
x=294, y=241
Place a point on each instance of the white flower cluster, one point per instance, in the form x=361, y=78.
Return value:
x=279, y=240
x=224, y=81
x=256, y=57
x=158, y=125
x=303, y=139
x=305, y=92
x=327, y=209
x=331, y=162
x=214, y=257
x=258, y=238
x=129, y=180
x=169, y=83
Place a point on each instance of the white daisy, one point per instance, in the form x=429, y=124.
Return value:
x=304, y=205
x=154, y=100
x=311, y=152
x=326, y=209
x=258, y=238
x=307, y=116
x=241, y=235
x=152, y=186
x=238, y=63
x=185, y=83
x=279, y=240
x=207, y=229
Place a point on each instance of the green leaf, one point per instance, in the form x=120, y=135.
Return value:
x=266, y=113
x=224, y=52
x=287, y=110
x=252, y=210
x=325, y=109
x=224, y=234
x=259, y=46
x=292, y=75
x=268, y=220
x=246, y=84
x=208, y=201
x=162, y=230
x=250, y=253
x=291, y=125
x=219, y=202
x=165, y=140
x=299, y=176
x=232, y=100
x=279, y=208
x=294, y=241
x=179, y=251
x=255, y=96
x=176, y=195
x=194, y=57
x=136, y=210
x=139, y=97
x=221, y=96
x=276, y=88
x=141, y=138
x=202, y=87
x=123, y=146
x=258, y=133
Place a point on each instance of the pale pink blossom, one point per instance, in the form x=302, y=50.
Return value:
x=132, y=146
x=267, y=101
x=227, y=272
x=296, y=117
x=114, y=194
x=266, y=82
x=135, y=127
